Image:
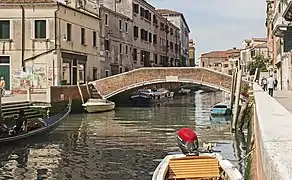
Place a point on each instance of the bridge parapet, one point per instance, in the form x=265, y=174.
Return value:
x=113, y=85
x=273, y=138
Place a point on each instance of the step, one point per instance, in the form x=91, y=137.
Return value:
x=15, y=108
x=25, y=113
x=15, y=104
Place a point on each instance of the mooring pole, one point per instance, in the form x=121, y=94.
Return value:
x=237, y=98
x=232, y=91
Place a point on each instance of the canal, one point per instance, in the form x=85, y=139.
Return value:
x=127, y=143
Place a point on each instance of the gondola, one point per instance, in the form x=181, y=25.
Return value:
x=52, y=123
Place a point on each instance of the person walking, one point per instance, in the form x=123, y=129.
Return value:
x=270, y=85
x=275, y=86
x=2, y=86
x=264, y=83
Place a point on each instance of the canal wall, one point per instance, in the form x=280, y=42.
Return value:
x=60, y=95
x=272, y=155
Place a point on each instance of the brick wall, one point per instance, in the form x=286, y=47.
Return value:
x=63, y=93
x=205, y=76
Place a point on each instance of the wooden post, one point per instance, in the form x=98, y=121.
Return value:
x=241, y=116
x=232, y=88
x=237, y=98
x=1, y=115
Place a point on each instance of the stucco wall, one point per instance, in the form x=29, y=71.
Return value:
x=273, y=137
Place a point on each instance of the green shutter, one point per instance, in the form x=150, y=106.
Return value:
x=40, y=29
x=288, y=40
x=4, y=29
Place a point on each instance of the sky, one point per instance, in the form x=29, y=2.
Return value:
x=219, y=24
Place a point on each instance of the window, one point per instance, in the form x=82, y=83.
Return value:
x=136, y=8
x=171, y=46
x=121, y=48
x=4, y=29
x=154, y=38
x=106, y=73
x=82, y=36
x=126, y=49
x=136, y=32
x=120, y=25
x=106, y=45
x=150, y=37
x=94, y=74
x=171, y=31
x=40, y=29
x=106, y=19
x=142, y=12
x=94, y=38
x=121, y=70
x=134, y=54
x=144, y=35
x=126, y=26
x=69, y=31
x=155, y=59
x=161, y=26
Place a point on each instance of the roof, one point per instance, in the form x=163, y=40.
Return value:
x=172, y=12
x=260, y=39
x=215, y=54
x=168, y=11
x=221, y=54
x=263, y=45
x=26, y=1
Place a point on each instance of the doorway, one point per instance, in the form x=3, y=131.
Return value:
x=5, y=70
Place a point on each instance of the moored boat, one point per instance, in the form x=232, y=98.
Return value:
x=183, y=91
x=204, y=166
x=194, y=163
x=221, y=109
x=43, y=126
x=151, y=96
x=98, y=105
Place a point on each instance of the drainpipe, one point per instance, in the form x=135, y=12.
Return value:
x=57, y=38
x=22, y=37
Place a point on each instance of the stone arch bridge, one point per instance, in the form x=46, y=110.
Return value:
x=116, y=84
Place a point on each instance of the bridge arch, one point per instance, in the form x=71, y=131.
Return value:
x=116, y=84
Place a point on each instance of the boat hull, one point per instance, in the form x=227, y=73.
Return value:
x=99, y=108
x=53, y=123
x=162, y=170
x=221, y=111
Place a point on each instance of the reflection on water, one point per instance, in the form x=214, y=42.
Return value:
x=127, y=143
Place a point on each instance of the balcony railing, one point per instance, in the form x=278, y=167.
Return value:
x=280, y=24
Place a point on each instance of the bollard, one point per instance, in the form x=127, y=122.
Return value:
x=29, y=94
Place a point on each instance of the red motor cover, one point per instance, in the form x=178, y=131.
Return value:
x=187, y=135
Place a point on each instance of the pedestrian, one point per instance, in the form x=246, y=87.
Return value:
x=264, y=83
x=270, y=85
x=2, y=86
x=275, y=86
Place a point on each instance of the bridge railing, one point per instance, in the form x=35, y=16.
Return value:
x=273, y=137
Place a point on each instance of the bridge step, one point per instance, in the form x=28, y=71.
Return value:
x=94, y=93
x=10, y=110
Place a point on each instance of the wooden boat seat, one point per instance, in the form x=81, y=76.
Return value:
x=194, y=167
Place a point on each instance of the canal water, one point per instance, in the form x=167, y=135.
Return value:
x=124, y=144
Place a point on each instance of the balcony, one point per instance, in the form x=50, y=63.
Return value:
x=280, y=24
x=288, y=11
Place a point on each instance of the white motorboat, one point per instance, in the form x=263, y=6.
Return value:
x=184, y=91
x=205, y=166
x=98, y=105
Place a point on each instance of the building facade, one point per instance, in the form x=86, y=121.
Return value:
x=192, y=51
x=252, y=48
x=179, y=21
x=46, y=43
x=116, y=39
x=279, y=35
x=222, y=61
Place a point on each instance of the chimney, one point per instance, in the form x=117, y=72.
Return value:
x=234, y=48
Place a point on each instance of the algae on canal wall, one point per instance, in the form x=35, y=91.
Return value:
x=249, y=148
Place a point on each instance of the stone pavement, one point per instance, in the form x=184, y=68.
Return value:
x=285, y=99
x=23, y=97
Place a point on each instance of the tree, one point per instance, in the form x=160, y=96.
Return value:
x=258, y=62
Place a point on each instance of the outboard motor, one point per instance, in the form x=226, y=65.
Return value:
x=187, y=141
